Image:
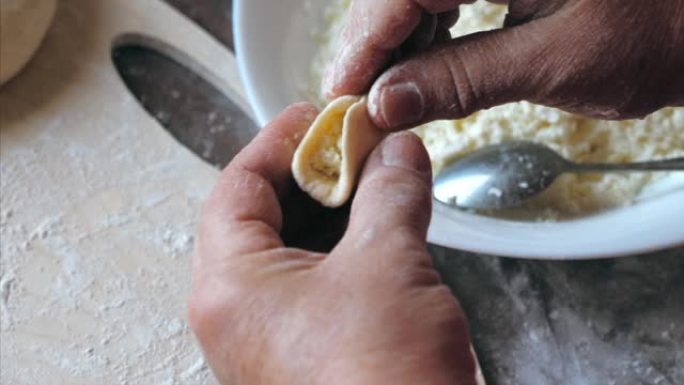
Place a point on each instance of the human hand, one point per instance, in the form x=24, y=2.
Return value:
x=372, y=311
x=607, y=59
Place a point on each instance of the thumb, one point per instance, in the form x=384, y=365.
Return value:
x=392, y=206
x=458, y=78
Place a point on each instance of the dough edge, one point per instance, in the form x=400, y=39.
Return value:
x=358, y=138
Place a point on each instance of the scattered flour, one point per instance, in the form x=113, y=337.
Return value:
x=94, y=311
x=98, y=208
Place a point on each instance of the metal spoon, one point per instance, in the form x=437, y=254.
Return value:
x=507, y=174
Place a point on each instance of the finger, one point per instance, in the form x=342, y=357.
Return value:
x=243, y=213
x=422, y=36
x=458, y=78
x=375, y=29
x=392, y=206
x=447, y=20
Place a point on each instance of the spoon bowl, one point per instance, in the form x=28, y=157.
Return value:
x=506, y=175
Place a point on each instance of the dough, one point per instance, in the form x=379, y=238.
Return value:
x=23, y=24
x=328, y=160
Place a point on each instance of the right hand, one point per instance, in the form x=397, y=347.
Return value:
x=608, y=59
x=371, y=311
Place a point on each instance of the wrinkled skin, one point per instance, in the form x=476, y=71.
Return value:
x=610, y=59
x=370, y=311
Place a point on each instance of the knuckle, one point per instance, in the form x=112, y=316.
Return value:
x=461, y=93
x=408, y=189
x=413, y=193
x=422, y=275
x=405, y=237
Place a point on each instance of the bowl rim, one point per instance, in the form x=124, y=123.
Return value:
x=244, y=68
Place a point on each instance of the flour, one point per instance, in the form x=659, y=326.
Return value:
x=102, y=312
x=176, y=243
x=6, y=286
x=98, y=211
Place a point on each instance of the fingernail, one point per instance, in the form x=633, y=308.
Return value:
x=404, y=150
x=401, y=105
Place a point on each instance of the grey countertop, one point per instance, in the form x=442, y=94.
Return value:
x=613, y=321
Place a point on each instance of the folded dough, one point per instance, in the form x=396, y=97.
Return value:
x=328, y=161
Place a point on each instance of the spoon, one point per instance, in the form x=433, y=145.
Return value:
x=506, y=175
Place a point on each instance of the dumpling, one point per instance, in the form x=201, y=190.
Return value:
x=329, y=159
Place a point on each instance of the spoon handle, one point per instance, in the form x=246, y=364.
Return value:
x=674, y=164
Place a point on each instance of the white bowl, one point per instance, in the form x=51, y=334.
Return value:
x=275, y=47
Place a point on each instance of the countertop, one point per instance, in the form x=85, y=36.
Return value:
x=612, y=321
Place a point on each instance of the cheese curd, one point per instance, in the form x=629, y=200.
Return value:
x=327, y=161
x=578, y=138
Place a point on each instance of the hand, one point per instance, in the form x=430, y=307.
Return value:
x=372, y=311
x=609, y=59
